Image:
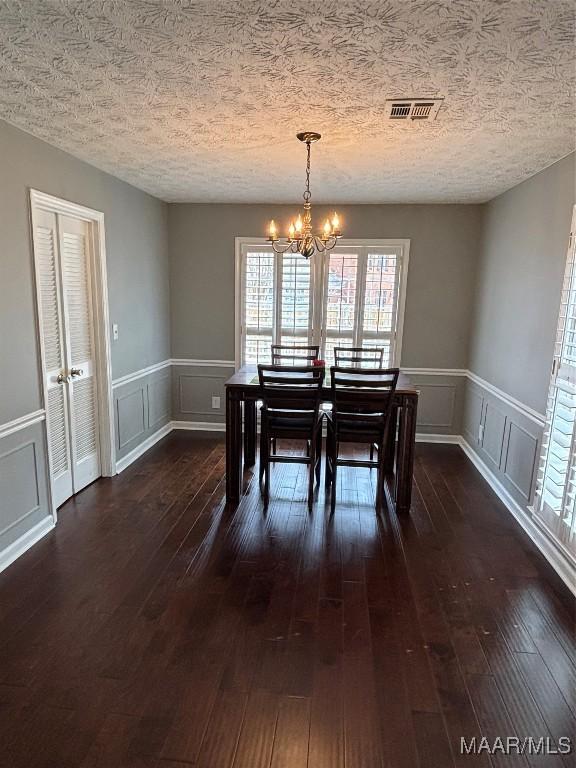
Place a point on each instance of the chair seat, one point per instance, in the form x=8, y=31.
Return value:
x=362, y=429
x=293, y=420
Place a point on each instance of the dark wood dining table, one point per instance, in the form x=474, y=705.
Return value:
x=242, y=394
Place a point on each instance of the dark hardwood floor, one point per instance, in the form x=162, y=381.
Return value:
x=158, y=628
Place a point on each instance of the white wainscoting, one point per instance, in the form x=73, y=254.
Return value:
x=25, y=515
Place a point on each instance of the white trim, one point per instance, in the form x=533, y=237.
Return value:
x=530, y=413
x=435, y=371
x=140, y=449
x=403, y=244
x=42, y=201
x=204, y=363
x=200, y=426
x=22, y=422
x=544, y=544
x=23, y=543
x=425, y=437
x=142, y=372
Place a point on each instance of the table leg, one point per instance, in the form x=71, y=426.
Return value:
x=406, y=446
x=233, y=445
x=390, y=449
x=249, y=433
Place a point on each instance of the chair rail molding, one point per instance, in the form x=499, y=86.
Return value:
x=22, y=422
x=181, y=361
x=129, y=377
x=526, y=410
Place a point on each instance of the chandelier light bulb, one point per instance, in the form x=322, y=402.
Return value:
x=291, y=231
x=272, y=231
x=299, y=224
x=327, y=229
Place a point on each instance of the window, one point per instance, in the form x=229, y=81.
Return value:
x=556, y=485
x=352, y=296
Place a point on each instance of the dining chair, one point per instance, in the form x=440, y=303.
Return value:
x=291, y=397
x=362, y=357
x=362, y=402
x=357, y=356
x=294, y=354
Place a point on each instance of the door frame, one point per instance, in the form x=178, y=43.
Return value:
x=99, y=282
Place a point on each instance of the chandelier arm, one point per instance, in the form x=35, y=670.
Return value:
x=279, y=248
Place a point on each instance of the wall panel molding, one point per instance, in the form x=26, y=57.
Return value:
x=13, y=551
x=130, y=424
x=518, y=463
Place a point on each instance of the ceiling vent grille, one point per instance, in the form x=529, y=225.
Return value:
x=413, y=109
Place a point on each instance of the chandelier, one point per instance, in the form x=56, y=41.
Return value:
x=300, y=236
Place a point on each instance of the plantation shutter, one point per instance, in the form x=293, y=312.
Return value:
x=556, y=485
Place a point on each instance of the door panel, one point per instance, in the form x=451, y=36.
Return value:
x=54, y=349
x=75, y=256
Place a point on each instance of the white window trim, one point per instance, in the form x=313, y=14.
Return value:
x=241, y=243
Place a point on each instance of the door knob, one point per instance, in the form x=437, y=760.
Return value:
x=62, y=378
x=76, y=372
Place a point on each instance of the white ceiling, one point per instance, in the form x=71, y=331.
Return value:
x=200, y=100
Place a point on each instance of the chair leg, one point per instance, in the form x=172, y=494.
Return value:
x=334, y=453
x=262, y=454
x=311, y=472
x=318, y=467
x=267, y=477
x=371, y=451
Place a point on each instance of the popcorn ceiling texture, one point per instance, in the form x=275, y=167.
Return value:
x=200, y=101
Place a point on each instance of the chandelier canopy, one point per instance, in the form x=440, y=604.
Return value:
x=300, y=237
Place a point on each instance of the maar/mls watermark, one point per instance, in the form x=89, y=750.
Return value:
x=514, y=745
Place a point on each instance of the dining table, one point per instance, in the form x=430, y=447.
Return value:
x=242, y=395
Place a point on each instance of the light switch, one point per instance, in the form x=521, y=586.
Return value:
x=115, y=331
x=215, y=401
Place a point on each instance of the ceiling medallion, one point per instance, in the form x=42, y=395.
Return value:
x=300, y=237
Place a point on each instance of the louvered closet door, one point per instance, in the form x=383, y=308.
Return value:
x=53, y=342
x=77, y=301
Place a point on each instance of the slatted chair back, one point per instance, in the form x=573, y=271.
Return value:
x=359, y=357
x=294, y=354
x=290, y=389
x=363, y=396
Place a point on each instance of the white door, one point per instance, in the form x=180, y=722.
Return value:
x=62, y=248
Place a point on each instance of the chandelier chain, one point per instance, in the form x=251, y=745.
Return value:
x=307, y=195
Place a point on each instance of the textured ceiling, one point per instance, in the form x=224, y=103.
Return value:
x=200, y=101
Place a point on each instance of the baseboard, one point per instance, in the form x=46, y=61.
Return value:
x=17, y=548
x=522, y=517
x=424, y=437
x=200, y=426
x=145, y=445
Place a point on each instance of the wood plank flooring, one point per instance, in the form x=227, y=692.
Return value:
x=157, y=627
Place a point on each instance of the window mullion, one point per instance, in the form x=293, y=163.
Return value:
x=277, y=317
x=360, y=295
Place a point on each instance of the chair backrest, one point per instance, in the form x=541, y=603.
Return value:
x=360, y=394
x=291, y=387
x=357, y=357
x=294, y=354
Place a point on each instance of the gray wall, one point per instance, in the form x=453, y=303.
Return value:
x=443, y=252
x=138, y=285
x=520, y=269
x=136, y=245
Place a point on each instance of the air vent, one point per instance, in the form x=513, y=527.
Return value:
x=413, y=109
